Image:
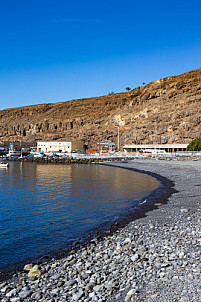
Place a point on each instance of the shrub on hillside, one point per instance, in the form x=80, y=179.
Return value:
x=195, y=145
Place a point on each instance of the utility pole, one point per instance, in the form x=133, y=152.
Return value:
x=118, y=138
x=116, y=124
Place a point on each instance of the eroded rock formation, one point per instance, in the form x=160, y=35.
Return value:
x=163, y=111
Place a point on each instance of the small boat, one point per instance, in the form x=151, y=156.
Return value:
x=3, y=165
x=13, y=154
x=124, y=161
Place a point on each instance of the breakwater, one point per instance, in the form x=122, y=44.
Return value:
x=70, y=160
x=98, y=159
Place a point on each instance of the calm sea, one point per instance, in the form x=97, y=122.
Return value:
x=46, y=207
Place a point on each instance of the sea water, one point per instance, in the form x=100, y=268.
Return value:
x=45, y=207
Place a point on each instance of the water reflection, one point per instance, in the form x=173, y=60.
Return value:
x=43, y=207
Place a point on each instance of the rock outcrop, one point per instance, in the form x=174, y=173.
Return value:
x=163, y=111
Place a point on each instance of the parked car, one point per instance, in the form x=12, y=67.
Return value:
x=54, y=155
x=29, y=156
x=66, y=157
x=39, y=155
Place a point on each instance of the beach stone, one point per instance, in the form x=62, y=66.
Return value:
x=55, y=291
x=97, y=288
x=54, y=264
x=84, y=275
x=141, y=252
x=37, y=296
x=181, y=255
x=135, y=257
x=6, y=289
x=11, y=293
x=34, y=271
x=26, y=293
x=60, y=283
x=127, y=240
x=16, y=299
x=56, y=276
x=72, y=262
x=3, y=284
x=184, y=210
x=89, y=286
x=70, y=282
x=78, y=296
x=162, y=274
x=130, y=294
x=92, y=295
x=28, y=267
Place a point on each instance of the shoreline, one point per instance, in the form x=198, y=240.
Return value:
x=159, y=194
x=122, y=266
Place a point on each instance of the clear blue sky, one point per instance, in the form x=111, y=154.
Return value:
x=57, y=50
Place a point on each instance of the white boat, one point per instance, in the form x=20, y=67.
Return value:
x=13, y=153
x=3, y=165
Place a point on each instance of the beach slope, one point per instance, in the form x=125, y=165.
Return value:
x=153, y=258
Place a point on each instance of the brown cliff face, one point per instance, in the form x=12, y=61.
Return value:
x=164, y=111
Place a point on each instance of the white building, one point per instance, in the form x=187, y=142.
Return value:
x=56, y=146
x=166, y=147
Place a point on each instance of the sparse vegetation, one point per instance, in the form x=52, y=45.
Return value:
x=128, y=88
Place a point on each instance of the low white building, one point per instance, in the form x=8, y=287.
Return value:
x=166, y=147
x=56, y=146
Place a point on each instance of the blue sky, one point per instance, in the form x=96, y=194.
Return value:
x=58, y=50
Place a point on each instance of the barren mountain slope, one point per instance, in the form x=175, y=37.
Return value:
x=163, y=111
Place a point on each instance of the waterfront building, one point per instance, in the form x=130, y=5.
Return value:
x=165, y=147
x=57, y=146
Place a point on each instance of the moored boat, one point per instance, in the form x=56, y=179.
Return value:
x=3, y=165
x=13, y=154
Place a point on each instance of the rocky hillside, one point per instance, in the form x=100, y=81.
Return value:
x=164, y=111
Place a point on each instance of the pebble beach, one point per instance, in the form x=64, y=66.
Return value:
x=155, y=257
